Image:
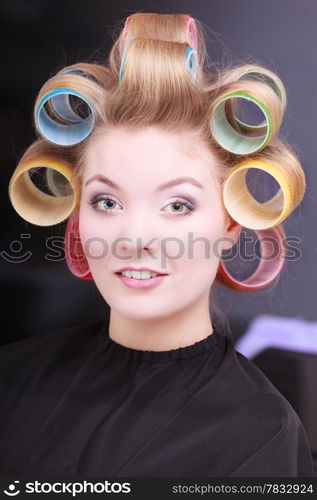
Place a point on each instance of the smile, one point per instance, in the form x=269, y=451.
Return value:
x=139, y=282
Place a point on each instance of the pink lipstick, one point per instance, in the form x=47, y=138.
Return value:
x=133, y=283
x=139, y=283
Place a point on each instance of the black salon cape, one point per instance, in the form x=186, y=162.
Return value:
x=75, y=403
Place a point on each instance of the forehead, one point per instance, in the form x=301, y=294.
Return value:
x=150, y=152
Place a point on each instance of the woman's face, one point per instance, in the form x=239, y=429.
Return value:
x=177, y=230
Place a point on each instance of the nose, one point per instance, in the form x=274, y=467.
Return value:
x=137, y=236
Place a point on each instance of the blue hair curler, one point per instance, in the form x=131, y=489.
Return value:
x=124, y=58
x=63, y=134
x=191, y=60
x=190, y=55
x=61, y=104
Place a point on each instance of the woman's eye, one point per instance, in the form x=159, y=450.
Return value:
x=181, y=207
x=105, y=204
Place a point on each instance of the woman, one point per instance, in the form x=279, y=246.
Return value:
x=138, y=155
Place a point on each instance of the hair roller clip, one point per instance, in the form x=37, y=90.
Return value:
x=245, y=209
x=191, y=61
x=192, y=32
x=273, y=253
x=31, y=201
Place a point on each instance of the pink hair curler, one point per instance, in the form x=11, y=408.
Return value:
x=75, y=257
x=126, y=25
x=269, y=266
x=192, y=32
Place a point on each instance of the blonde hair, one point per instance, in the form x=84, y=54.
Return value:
x=154, y=87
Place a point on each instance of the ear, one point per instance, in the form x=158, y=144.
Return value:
x=232, y=233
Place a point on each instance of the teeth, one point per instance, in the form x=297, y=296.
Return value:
x=139, y=275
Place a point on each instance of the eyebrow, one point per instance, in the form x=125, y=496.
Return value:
x=161, y=187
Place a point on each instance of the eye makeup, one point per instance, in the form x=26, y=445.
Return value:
x=94, y=201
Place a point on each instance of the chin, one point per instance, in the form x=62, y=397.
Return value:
x=138, y=311
x=131, y=315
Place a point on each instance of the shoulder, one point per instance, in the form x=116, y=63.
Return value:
x=275, y=443
x=244, y=378
x=250, y=389
x=40, y=348
x=271, y=438
x=43, y=365
x=244, y=391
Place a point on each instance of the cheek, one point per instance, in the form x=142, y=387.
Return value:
x=96, y=249
x=93, y=240
x=204, y=242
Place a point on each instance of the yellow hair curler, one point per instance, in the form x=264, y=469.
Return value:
x=246, y=210
x=34, y=204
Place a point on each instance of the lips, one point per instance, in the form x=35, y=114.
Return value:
x=141, y=284
x=141, y=269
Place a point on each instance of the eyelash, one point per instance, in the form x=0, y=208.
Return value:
x=94, y=201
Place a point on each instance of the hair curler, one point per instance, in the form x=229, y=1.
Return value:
x=74, y=252
x=55, y=118
x=235, y=134
x=270, y=265
x=249, y=212
x=34, y=204
x=190, y=58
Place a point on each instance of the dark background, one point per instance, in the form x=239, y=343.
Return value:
x=39, y=37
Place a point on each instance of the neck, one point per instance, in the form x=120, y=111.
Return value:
x=181, y=329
